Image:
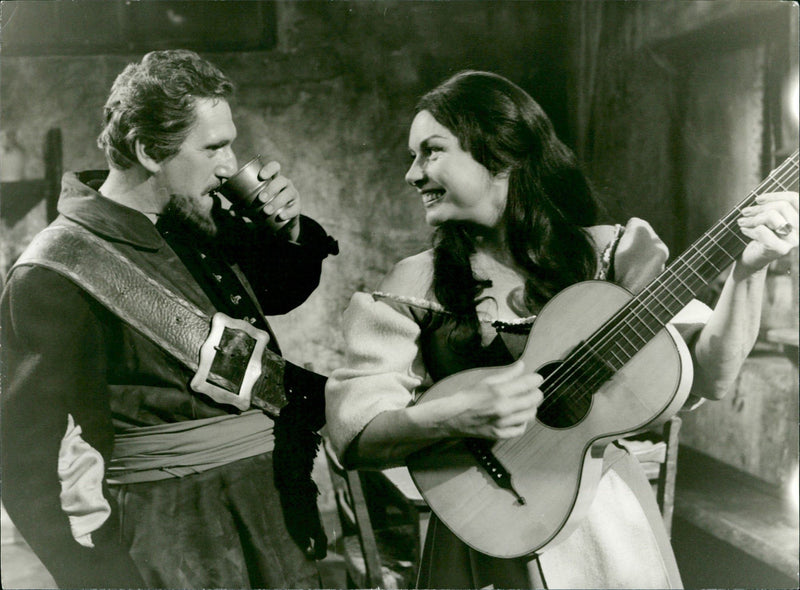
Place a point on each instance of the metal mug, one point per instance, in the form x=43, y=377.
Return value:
x=242, y=190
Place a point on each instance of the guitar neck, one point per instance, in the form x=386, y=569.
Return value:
x=649, y=311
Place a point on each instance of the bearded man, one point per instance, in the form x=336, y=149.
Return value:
x=128, y=462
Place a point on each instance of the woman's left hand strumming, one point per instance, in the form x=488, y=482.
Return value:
x=772, y=225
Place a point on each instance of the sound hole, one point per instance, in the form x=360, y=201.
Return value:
x=565, y=402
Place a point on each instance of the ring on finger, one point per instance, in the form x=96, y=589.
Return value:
x=783, y=230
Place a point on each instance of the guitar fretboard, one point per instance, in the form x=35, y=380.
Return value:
x=637, y=322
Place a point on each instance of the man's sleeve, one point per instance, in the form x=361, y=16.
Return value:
x=56, y=431
x=284, y=273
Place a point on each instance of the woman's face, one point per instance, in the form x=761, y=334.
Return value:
x=454, y=187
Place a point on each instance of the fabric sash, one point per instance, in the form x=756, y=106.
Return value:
x=177, y=449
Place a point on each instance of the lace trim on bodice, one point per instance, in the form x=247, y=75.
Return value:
x=517, y=325
x=412, y=301
x=520, y=325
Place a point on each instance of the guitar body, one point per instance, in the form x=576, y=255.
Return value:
x=555, y=469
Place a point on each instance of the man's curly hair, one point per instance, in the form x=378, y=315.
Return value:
x=153, y=102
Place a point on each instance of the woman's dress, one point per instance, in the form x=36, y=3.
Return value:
x=397, y=346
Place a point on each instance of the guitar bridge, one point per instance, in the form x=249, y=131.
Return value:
x=482, y=451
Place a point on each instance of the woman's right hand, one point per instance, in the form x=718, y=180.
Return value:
x=498, y=407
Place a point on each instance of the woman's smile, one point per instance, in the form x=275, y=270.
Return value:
x=431, y=197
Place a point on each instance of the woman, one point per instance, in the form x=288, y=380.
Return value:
x=515, y=224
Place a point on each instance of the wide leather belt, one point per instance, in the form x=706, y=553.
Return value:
x=230, y=359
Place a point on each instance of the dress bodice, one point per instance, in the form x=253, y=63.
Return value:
x=502, y=340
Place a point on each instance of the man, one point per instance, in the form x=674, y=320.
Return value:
x=128, y=462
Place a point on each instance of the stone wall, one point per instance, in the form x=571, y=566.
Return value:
x=332, y=102
x=662, y=101
x=676, y=100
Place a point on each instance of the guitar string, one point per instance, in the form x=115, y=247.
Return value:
x=775, y=177
x=608, y=335
x=593, y=346
x=645, y=299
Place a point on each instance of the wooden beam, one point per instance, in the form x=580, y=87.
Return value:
x=17, y=198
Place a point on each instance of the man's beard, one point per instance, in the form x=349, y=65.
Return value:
x=184, y=212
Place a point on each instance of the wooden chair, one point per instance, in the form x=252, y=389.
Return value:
x=383, y=524
x=378, y=542
x=21, y=196
x=657, y=451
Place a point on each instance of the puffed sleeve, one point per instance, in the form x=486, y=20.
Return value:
x=639, y=257
x=381, y=371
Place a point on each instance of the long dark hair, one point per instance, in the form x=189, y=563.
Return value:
x=549, y=201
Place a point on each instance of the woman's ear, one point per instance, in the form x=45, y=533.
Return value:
x=145, y=160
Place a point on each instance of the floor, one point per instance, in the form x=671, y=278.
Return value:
x=707, y=562
x=19, y=566
x=21, y=569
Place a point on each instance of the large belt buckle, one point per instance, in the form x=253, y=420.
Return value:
x=230, y=361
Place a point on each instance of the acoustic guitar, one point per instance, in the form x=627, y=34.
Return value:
x=612, y=366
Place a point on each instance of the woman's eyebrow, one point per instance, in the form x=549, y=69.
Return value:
x=430, y=137
x=425, y=143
